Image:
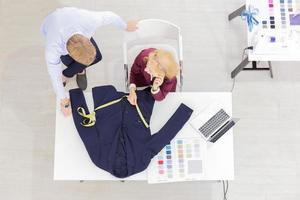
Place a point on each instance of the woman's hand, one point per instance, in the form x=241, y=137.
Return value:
x=158, y=81
x=65, y=106
x=132, y=98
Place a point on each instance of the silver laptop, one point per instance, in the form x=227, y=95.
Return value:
x=213, y=122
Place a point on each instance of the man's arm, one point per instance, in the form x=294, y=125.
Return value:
x=55, y=72
x=102, y=18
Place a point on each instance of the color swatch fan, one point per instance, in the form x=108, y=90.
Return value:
x=182, y=160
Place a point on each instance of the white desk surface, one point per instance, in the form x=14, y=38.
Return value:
x=287, y=45
x=72, y=162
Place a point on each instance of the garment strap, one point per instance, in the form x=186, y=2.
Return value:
x=90, y=119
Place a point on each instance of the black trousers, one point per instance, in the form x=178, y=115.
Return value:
x=74, y=67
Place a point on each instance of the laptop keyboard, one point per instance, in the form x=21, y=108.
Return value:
x=214, y=123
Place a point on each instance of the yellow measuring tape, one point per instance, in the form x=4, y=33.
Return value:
x=90, y=119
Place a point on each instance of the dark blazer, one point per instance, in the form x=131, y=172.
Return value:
x=119, y=142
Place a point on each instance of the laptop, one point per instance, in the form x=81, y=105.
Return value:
x=213, y=122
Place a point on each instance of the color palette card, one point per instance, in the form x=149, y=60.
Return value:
x=275, y=14
x=278, y=20
x=181, y=160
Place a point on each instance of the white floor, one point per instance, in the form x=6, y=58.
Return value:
x=266, y=143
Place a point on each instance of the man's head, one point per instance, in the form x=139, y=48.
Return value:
x=81, y=49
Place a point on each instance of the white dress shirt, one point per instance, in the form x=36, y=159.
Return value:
x=60, y=25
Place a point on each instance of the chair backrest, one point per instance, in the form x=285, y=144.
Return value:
x=154, y=32
x=153, y=29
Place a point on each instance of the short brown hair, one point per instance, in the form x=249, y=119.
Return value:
x=81, y=49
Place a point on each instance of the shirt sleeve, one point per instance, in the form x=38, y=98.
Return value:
x=169, y=130
x=102, y=18
x=54, y=69
x=164, y=89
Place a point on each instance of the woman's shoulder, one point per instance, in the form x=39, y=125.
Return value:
x=147, y=51
x=144, y=54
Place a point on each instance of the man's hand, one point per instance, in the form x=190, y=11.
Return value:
x=65, y=106
x=65, y=79
x=131, y=26
x=132, y=98
x=158, y=81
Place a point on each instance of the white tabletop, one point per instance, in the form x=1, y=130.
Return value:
x=286, y=46
x=72, y=162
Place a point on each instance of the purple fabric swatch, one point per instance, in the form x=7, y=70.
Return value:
x=295, y=19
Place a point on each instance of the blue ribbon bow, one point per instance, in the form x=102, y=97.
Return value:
x=248, y=15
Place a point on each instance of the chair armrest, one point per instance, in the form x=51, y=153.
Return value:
x=180, y=75
x=126, y=77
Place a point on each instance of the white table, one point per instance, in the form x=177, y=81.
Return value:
x=72, y=162
x=286, y=46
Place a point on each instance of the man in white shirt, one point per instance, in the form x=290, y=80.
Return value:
x=68, y=33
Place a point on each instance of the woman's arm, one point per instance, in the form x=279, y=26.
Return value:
x=161, y=92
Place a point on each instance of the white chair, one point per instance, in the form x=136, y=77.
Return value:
x=153, y=33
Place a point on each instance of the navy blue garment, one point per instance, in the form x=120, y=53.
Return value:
x=74, y=67
x=119, y=142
